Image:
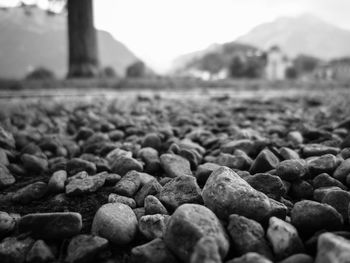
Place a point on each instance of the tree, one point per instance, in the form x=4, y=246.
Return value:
x=237, y=68
x=136, y=70
x=82, y=44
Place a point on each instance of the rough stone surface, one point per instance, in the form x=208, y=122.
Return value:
x=150, y=188
x=153, y=226
x=154, y=206
x=250, y=257
x=175, y=165
x=6, y=178
x=291, y=170
x=206, y=251
x=86, y=185
x=264, y=162
x=7, y=224
x=271, y=185
x=57, y=182
x=332, y=248
x=30, y=192
x=40, y=252
x=114, y=198
x=13, y=250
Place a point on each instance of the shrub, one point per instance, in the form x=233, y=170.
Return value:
x=41, y=73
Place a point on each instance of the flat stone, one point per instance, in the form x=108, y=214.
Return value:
x=83, y=186
x=115, y=222
x=332, y=248
x=175, y=165
x=77, y=165
x=153, y=226
x=40, y=252
x=188, y=224
x=51, y=225
x=318, y=150
x=30, y=192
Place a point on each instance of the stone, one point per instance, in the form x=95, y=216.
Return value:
x=322, y=164
x=129, y=184
x=153, y=226
x=151, y=159
x=123, y=164
x=51, y=225
x=154, y=251
x=279, y=209
x=187, y=225
x=6, y=178
x=30, y=192
x=288, y=154
x=310, y=216
x=284, y=238
x=332, y=248
x=84, y=248
x=180, y=190
x=318, y=150
x=239, y=161
x=3, y=158
x=112, y=179
x=271, y=185
x=206, y=251
x=340, y=200
x=291, y=170
x=325, y=180
x=301, y=190
x=246, y=145
x=139, y=212
x=203, y=172
x=14, y=250
x=175, y=165
x=250, y=257
x=114, y=198
x=77, y=165
x=152, y=140
x=247, y=236
x=34, y=164
x=40, y=252
x=264, y=162
x=320, y=193
x=7, y=224
x=115, y=222
x=57, y=182
x=342, y=171
x=298, y=258
x=150, y=188
x=7, y=140
x=226, y=193
x=83, y=186
x=154, y=206
x=295, y=137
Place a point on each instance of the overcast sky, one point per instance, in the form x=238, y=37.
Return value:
x=160, y=30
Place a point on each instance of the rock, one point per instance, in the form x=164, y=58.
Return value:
x=123, y=164
x=14, y=250
x=264, y=162
x=129, y=184
x=175, y=165
x=291, y=170
x=246, y=145
x=279, y=209
x=34, y=164
x=152, y=140
x=6, y=178
x=180, y=190
x=114, y=198
x=250, y=257
x=325, y=180
x=188, y=224
x=84, y=248
x=342, y=171
x=139, y=212
x=7, y=140
x=295, y=137
x=7, y=224
x=322, y=164
x=301, y=190
x=153, y=252
x=318, y=150
x=340, y=200
x=77, y=165
x=115, y=222
x=30, y=192
x=57, y=182
x=247, y=236
x=332, y=248
x=203, y=172
x=112, y=179
x=151, y=159
x=309, y=216
x=240, y=160
x=154, y=206
x=288, y=154
x=206, y=251
x=83, y=186
x=298, y=258
x=284, y=238
x=225, y=193
x=271, y=185
x=150, y=188
x=153, y=226
x=40, y=253
x=320, y=193
x=51, y=225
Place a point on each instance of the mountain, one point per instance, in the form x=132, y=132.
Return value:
x=32, y=38
x=305, y=34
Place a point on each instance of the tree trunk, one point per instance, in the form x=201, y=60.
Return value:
x=83, y=57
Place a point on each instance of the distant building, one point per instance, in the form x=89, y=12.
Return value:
x=334, y=70
x=277, y=64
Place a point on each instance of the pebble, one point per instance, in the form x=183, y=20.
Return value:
x=7, y=224
x=298, y=258
x=322, y=164
x=291, y=170
x=30, y=193
x=14, y=250
x=84, y=248
x=116, y=222
x=203, y=172
x=332, y=249
x=77, y=165
x=320, y=193
x=51, y=225
x=153, y=226
x=129, y=184
x=271, y=185
x=180, y=190
x=284, y=238
x=340, y=200
x=226, y=193
x=114, y=198
x=342, y=171
x=152, y=140
x=318, y=150
x=250, y=257
x=325, y=180
x=288, y=154
x=264, y=162
x=301, y=190
x=187, y=225
x=175, y=165
x=295, y=137
x=40, y=252
x=151, y=159
x=89, y=184
x=34, y=164
x=310, y=216
x=123, y=164
x=154, y=206
x=57, y=182
x=246, y=145
x=247, y=235
x=6, y=178
x=7, y=140
x=206, y=251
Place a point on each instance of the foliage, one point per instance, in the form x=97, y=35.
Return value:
x=212, y=63
x=291, y=73
x=305, y=64
x=40, y=73
x=247, y=66
x=136, y=70
x=109, y=72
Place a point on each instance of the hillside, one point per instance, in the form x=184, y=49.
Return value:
x=33, y=39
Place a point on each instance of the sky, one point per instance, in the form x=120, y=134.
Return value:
x=158, y=31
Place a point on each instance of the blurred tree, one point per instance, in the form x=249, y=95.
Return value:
x=109, y=72
x=305, y=64
x=41, y=73
x=291, y=73
x=212, y=63
x=136, y=70
x=237, y=67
